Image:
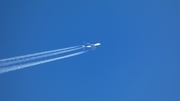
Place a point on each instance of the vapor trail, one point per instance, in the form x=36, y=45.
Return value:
x=50, y=53
x=16, y=67
x=35, y=54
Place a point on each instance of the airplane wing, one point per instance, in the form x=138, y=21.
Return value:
x=86, y=43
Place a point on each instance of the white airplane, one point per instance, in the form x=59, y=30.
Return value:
x=92, y=46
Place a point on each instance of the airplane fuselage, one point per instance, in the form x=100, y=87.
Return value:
x=93, y=46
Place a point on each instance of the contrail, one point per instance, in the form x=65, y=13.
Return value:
x=35, y=54
x=16, y=67
x=33, y=57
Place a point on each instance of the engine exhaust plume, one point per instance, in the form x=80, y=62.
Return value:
x=20, y=60
x=16, y=67
x=35, y=54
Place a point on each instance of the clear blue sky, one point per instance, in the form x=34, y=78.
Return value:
x=139, y=59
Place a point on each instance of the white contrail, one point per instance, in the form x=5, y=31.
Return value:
x=35, y=54
x=16, y=67
x=37, y=57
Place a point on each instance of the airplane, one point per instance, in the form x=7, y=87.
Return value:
x=92, y=46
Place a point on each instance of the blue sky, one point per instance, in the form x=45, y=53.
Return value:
x=137, y=61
